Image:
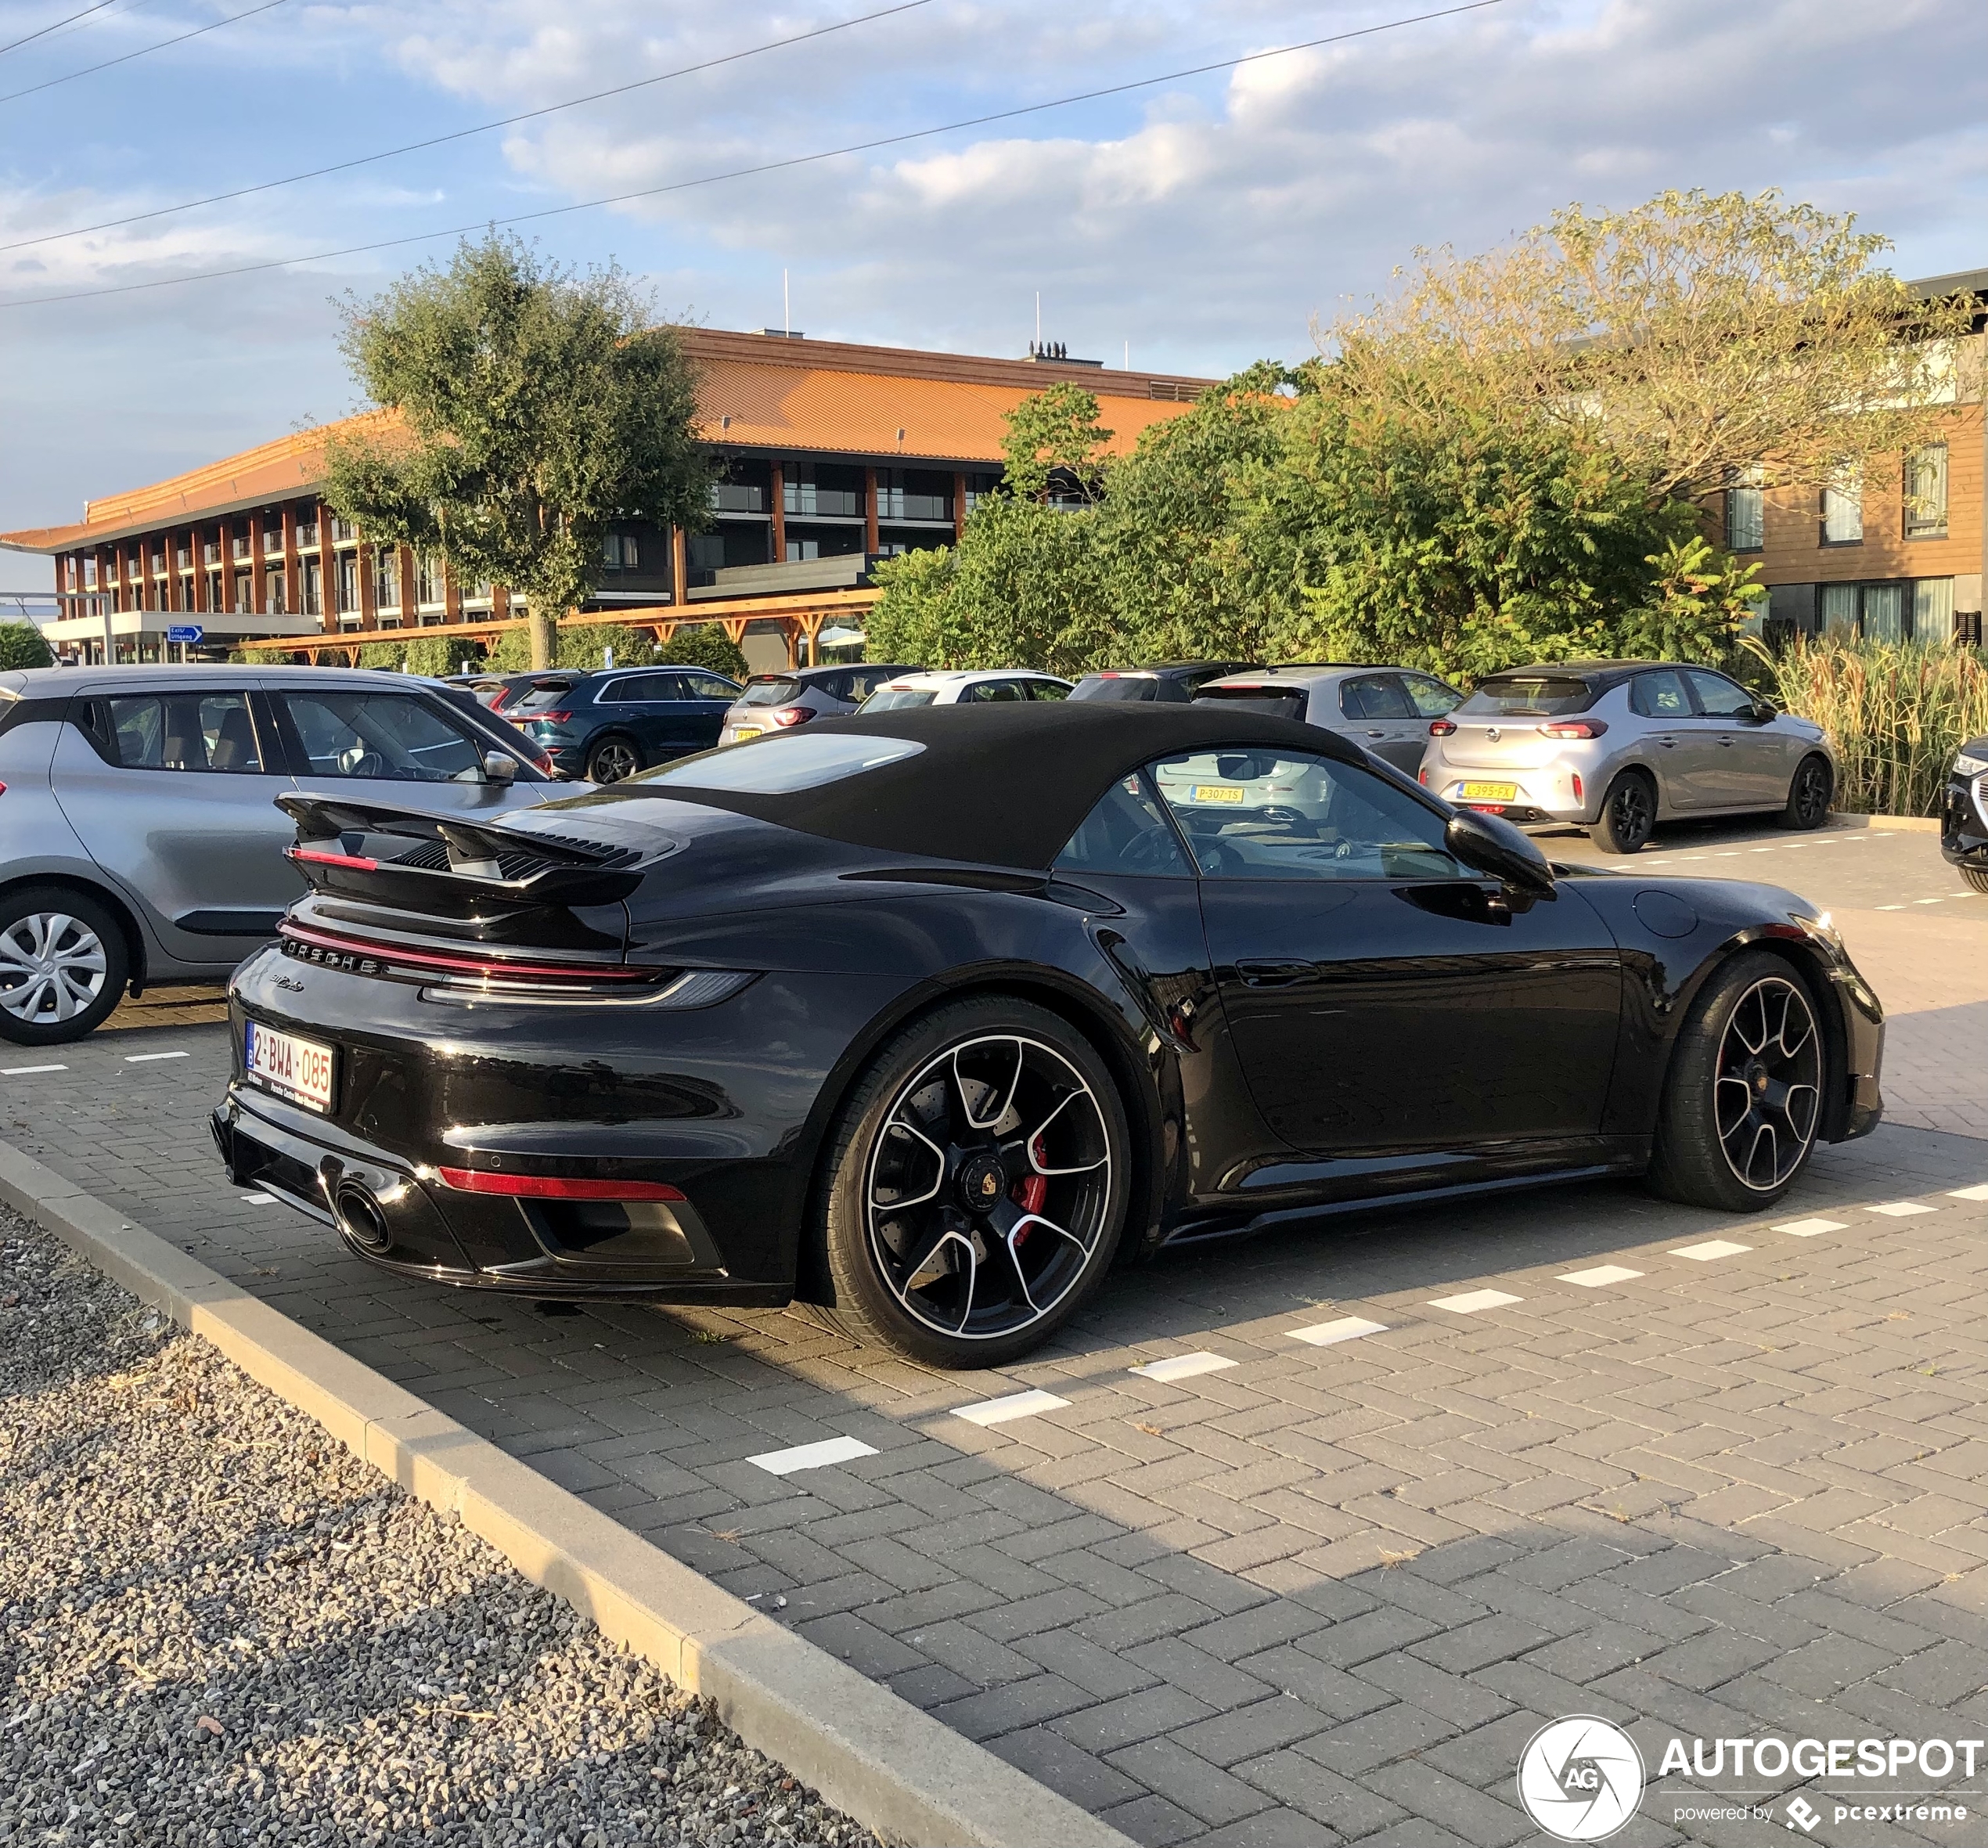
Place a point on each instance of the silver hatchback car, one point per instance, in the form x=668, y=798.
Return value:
x=140, y=842
x=1385, y=710
x=1615, y=747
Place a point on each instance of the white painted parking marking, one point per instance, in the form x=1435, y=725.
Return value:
x=148, y=1058
x=831, y=1449
x=1888, y=908
x=1980, y=1193
x=1712, y=1248
x=1183, y=1366
x=26, y=1070
x=1600, y=1277
x=258, y=1199
x=1810, y=1228
x=1766, y=850
x=1017, y=1405
x=1472, y=1301
x=1900, y=1209
x=1325, y=1335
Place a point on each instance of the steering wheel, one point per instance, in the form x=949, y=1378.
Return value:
x=1218, y=856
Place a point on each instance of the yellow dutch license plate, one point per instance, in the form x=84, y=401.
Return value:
x=1490, y=792
x=1215, y=792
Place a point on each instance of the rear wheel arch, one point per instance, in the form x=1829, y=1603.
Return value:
x=1091, y=1018
x=100, y=894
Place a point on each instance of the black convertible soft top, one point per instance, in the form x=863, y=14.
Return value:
x=999, y=785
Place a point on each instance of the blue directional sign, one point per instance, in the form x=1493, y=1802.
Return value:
x=186, y=631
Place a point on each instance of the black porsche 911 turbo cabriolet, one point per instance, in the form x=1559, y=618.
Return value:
x=922, y=1018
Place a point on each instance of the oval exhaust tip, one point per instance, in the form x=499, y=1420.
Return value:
x=359, y=1217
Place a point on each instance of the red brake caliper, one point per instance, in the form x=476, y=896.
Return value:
x=1028, y=1194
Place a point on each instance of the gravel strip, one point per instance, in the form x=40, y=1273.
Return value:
x=218, y=1627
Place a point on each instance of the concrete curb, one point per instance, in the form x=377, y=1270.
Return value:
x=872, y=1755
x=1910, y=824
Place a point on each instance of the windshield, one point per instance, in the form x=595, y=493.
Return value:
x=1533, y=695
x=1117, y=687
x=1279, y=702
x=775, y=690
x=781, y=765
x=894, y=699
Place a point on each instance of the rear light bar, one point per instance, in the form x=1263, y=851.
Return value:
x=1442, y=728
x=320, y=857
x=552, y=1187
x=789, y=715
x=1575, y=728
x=325, y=946
x=544, y=718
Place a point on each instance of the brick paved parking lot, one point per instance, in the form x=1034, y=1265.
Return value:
x=1386, y=1493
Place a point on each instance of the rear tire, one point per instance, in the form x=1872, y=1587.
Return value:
x=64, y=965
x=1629, y=814
x=1743, y=1098
x=1809, y=794
x=613, y=759
x=1976, y=877
x=975, y=1186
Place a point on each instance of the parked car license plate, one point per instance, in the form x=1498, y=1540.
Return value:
x=741, y=733
x=1216, y=792
x=301, y=1070
x=1490, y=792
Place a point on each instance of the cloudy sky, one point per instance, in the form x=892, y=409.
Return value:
x=1201, y=222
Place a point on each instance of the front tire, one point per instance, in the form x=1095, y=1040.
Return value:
x=612, y=760
x=1743, y=1098
x=63, y=965
x=1629, y=814
x=1808, y=795
x=975, y=1186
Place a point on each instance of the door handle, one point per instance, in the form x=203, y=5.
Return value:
x=1665, y=744
x=1725, y=743
x=1269, y=975
x=1377, y=734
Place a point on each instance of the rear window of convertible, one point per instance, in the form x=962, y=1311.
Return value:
x=780, y=766
x=1543, y=695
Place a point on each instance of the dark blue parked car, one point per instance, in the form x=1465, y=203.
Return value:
x=607, y=725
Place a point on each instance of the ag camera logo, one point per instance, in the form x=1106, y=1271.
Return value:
x=1580, y=1778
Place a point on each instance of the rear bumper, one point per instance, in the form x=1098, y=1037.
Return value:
x=1540, y=797
x=401, y=1218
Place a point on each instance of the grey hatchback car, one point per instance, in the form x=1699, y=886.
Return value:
x=1386, y=711
x=1615, y=747
x=140, y=842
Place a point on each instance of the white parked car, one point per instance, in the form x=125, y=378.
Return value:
x=959, y=686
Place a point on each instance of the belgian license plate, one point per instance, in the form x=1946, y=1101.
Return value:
x=1490, y=792
x=1215, y=792
x=301, y=1070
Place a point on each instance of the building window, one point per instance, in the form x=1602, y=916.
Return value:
x=349, y=583
x=312, y=604
x=427, y=577
x=1842, y=511
x=89, y=572
x=306, y=529
x=214, y=591
x=1746, y=513
x=273, y=536
x=801, y=551
x=244, y=593
x=276, y=583
x=914, y=494
x=622, y=551
x=980, y=486
x=1932, y=610
x=1902, y=610
x=827, y=490
x=1925, y=493
x=386, y=578
x=343, y=531
x=183, y=557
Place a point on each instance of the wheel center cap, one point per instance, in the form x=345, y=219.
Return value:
x=981, y=1180
x=1757, y=1077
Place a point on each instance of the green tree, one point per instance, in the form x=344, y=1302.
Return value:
x=1699, y=598
x=704, y=645
x=535, y=404
x=22, y=645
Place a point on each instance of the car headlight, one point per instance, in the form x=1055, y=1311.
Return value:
x=1964, y=765
x=1823, y=931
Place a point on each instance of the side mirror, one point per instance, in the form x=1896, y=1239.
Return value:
x=1490, y=844
x=498, y=766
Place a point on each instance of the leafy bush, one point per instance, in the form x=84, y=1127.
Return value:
x=22, y=645
x=1896, y=714
x=704, y=645
x=699, y=645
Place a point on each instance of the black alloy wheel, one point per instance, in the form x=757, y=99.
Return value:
x=63, y=965
x=1976, y=877
x=612, y=759
x=977, y=1186
x=1808, y=795
x=1744, y=1097
x=1629, y=814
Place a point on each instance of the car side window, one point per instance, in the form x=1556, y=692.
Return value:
x=1719, y=698
x=645, y=689
x=1659, y=695
x=993, y=690
x=708, y=686
x=189, y=731
x=1430, y=697
x=1375, y=696
x=1127, y=832
x=392, y=737
x=1046, y=690
x=1258, y=814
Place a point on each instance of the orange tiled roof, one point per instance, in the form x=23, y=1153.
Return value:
x=757, y=392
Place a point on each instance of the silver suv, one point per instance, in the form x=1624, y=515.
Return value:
x=140, y=842
x=1386, y=711
x=1616, y=747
